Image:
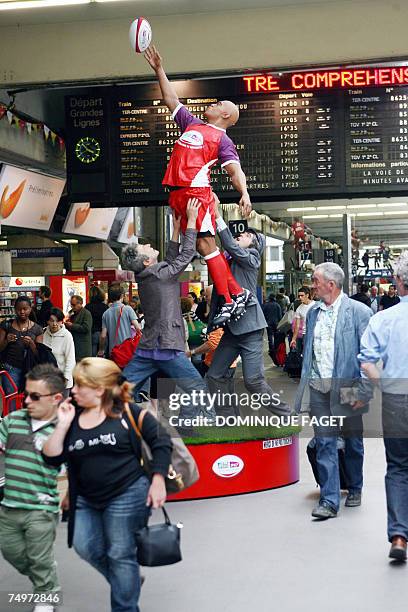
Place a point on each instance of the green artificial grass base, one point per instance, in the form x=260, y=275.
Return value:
x=217, y=435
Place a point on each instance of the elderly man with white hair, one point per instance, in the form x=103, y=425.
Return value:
x=331, y=373
x=385, y=339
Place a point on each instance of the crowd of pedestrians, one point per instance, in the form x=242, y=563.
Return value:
x=78, y=410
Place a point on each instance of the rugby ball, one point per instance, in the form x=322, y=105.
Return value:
x=140, y=35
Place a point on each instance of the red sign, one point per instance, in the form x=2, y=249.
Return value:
x=327, y=79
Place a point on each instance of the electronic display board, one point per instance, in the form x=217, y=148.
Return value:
x=306, y=134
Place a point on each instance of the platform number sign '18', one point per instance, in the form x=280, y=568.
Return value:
x=237, y=226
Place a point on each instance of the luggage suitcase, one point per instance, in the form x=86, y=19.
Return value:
x=311, y=455
x=293, y=364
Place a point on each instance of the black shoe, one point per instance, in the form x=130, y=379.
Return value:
x=353, y=500
x=241, y=301
x=324, y=511
x=398, y=549
x=224, y=316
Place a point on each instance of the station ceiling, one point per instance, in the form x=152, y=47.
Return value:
x=119, y=9
x=375, y=218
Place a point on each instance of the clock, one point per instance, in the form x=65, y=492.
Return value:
x=87, y=149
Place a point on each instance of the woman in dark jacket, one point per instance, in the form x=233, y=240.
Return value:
x=109, y=492
x=17, y=337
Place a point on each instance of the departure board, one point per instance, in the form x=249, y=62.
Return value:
x=376, y=143
x=288, y=142
x=299, y=135
x=285, y=142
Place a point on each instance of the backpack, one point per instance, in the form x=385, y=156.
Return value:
x=44, y=355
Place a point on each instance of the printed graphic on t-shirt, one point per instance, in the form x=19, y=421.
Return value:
x=192, y=140
x=101, y=439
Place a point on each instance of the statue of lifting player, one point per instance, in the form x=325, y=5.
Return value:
x=299, y=231
x=199, y=147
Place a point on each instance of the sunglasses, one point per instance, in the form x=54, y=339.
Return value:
x=36, y=396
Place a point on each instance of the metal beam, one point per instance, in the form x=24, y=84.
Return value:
x=347, y=254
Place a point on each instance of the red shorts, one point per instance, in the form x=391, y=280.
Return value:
x=206, y=213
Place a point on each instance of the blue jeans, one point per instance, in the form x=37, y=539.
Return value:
x=179, y=369
x=106, y=539
x=250, y=347
x=18, y=377
x=395, y=426
x=327, y=454
x=95, y=342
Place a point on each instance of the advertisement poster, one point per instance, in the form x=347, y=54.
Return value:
x=195, y=288
x=129, y=232
x=72, y=287
x=28, y=199
x=83, y=220
x=4, y=283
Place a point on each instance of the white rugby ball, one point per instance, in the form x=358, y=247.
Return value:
x=140, y=35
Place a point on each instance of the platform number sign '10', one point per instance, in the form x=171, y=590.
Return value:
x=237, y=226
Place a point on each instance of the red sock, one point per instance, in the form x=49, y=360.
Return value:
x=233, y=287
x=219, y=270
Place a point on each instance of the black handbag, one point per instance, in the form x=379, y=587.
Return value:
x=159, y=544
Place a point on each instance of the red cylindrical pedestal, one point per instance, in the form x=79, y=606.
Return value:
x=243, y=467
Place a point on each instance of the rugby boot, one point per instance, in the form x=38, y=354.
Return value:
x=241, y=301
x=225, y=314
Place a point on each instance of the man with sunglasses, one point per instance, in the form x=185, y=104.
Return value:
x=30, y=506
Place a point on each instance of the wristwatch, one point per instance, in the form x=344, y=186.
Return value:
x=193, y=352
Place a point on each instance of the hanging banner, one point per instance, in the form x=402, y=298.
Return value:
x=28, y=199
x=129, y=232
x=83, y=220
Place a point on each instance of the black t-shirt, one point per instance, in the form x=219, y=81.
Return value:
x=200, y=311
x=387, y=301
x=363, y=298
x=103, y=459
x=97, y=309
x=15, y=352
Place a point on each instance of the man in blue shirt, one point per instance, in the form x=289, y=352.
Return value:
x=117, y=322
x=385, y=339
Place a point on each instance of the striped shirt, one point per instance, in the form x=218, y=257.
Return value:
x=30, y=483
